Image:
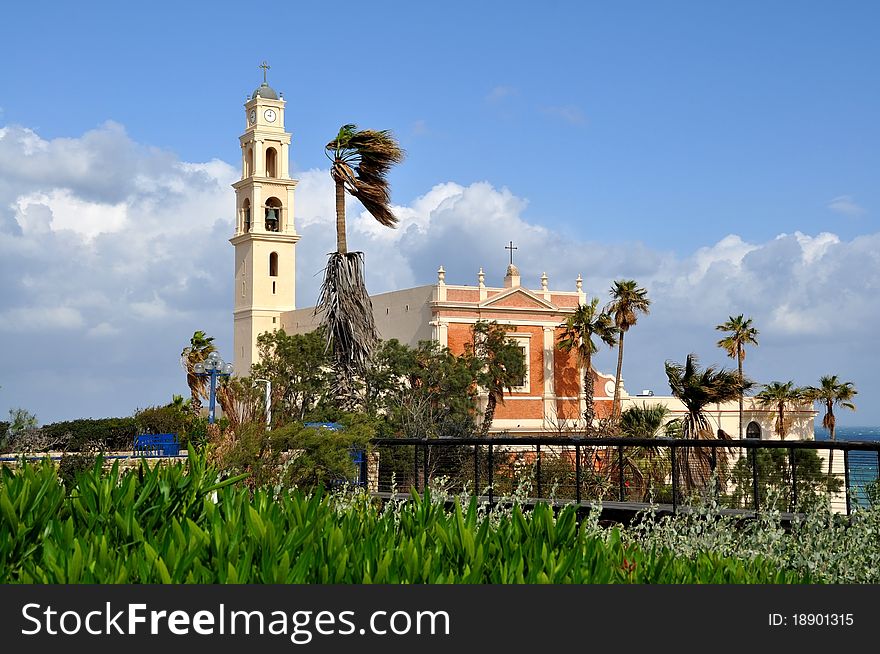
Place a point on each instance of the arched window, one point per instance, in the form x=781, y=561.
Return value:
x=273, y=264
x=246, y=215
x=753, y=430
x=271, y=162
x=249, y=162
x=273, y=215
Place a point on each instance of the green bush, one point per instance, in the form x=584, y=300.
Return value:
x=168, y=419
x=87, y=433
x=176, y=524
x=73, y=464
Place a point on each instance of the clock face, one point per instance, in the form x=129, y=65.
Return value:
x=252, y=116
x=270, y=115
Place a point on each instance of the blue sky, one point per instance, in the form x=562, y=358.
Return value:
x=633, y=137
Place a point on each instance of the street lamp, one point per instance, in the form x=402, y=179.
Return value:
x=213, y=367
x=268, y=400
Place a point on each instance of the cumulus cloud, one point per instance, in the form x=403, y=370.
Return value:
x=105, y=282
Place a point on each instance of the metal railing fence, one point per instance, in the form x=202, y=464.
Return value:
x=745, y=475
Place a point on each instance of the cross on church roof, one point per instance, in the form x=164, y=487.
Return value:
x=265, y=68
x=511, y=247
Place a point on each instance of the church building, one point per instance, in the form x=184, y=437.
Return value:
x=550, y=400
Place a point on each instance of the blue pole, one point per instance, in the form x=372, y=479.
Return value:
x=211, y=406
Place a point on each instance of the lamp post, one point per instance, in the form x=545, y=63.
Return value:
x=213, y=367
x=268, y=400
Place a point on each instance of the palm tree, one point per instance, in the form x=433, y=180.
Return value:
x=780, y=397
x=697, y=389
x=499, y=364
x=741, y=333
x=200, y=346
x=360, y=161
x=832, y=392
x=627, y=300
x=646, y=466
x=578, y=331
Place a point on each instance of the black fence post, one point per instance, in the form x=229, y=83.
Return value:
x=754, y=453
x=674, y=480
x=415, y=481
x=846, y=481
x=713, y=462
x=620, y=482
x=577, y=473
x=792, y=462
x=476, y=470
x=540, y=489
x=491, y=474
x=425, y=466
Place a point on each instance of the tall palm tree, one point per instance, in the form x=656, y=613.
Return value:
x=200, y=346
x=697, y=389
x=740, y=334
x=831, y=392
x=360, y=161
x=627, y=300
x=780, y=397
x=579, y=329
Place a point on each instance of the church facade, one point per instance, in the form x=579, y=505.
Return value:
x=550, y=400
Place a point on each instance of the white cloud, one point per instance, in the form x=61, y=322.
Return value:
x=40, y=319
x=846, y=205
x=500, y=92
x=569, y=113
x=107, y=281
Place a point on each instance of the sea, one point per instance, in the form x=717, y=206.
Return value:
x=864, y=466
x=848, y=433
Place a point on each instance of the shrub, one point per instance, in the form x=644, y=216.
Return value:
x=72, y=465
x=175, y=524
x=320, y=456
x=102, y=433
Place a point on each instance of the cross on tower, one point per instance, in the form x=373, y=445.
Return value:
x=511, y=247
x=265, y=68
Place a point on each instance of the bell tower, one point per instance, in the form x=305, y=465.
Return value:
x=265, y=234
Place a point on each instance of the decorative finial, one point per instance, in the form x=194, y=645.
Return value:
x=579, y=282
x=265, y=68
x=511, y=247
x=441, y=276
x=481, y=277
x=544, y=281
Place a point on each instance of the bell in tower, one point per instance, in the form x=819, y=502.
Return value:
x=271, y=220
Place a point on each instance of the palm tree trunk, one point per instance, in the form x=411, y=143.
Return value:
x=615, y=405
x=489, y=415
x=781, y=421
x=341, y=241
x=831, y=434
x=589, y=411
x=740, y=366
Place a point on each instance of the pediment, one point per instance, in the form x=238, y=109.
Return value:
x=518, y=298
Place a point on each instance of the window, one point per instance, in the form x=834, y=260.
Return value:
x=271, y=162
x=273, y=266
x=249, y=161
x=753, y=430
x=273, y=290
x=522, y=340
x=246, y=215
